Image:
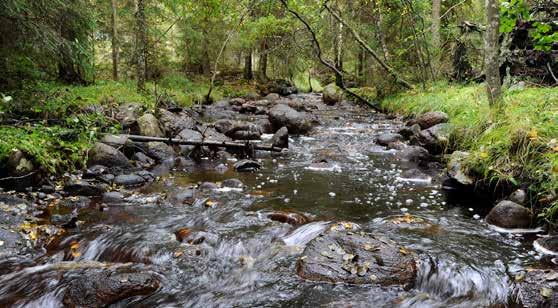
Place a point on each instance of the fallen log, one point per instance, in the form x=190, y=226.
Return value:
x=209, y=143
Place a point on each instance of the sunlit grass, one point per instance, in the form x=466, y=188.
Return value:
x=517, y=144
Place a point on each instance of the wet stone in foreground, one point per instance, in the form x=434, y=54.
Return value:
x=340, y=255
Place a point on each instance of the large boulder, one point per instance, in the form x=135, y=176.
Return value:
x=173, y=123
x=332, y=94
x=149, y=126
x=105, y=287
x=510, y=215
x=435, y=139
x=296, y=122
x=342, y=256
x=429, y=119
x=244, y=131
x=128, y=114
x=247, y=165
x=457, y=170
x=105, y=155
x=281, y=138
x=415, y=154
x=21, y=170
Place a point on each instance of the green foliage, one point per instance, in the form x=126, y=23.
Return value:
x=542, y=34
x=518, y=145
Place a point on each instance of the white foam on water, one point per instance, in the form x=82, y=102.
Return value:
x=228, y=189
x=543, y=250
x=415, y=180
x=305, y=233
x=515, y=231
x=334, y=168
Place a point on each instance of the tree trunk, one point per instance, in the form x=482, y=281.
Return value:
x=338, y=45
x=263, y=60
x=141, y=41
x=494, y=87
x=248, y=72
x=115, y=48
x=436, y=8
x=379, y=20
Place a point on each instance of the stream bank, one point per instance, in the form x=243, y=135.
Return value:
x=184, y=226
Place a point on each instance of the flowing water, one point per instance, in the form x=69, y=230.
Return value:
x=335, y=174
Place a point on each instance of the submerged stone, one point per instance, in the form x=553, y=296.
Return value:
x=345, y=256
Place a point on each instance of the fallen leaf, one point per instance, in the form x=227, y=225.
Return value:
x=403, y=251
x=546, y=292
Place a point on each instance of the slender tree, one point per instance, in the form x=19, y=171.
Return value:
x=141, y=45
x=115, y=47
x=492, y=70
x=248, y=72
x=436, y=8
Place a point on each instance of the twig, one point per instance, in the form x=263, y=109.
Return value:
x=451, y=8
x=17, y=177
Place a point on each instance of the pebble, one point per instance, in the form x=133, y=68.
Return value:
x=476, y=216
x=332, y=194
x=409, y=201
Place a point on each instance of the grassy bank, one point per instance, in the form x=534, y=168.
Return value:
x=55, y=124
x=517, y=145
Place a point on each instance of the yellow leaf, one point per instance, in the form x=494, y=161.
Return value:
x=484, y=155
x=533, y=134
x=403, y=251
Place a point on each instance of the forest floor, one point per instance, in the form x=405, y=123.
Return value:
x=517, y=145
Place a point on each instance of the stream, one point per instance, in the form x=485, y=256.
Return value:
x=238, y=257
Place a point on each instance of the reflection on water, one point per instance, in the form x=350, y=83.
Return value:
x=242, y=258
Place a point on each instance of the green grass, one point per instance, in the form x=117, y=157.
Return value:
x=517, y=144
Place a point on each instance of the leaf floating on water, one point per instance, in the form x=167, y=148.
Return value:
x=178, y=254
x=210, y=203
x=74, y=246
x=404, y=251
x=546, y=292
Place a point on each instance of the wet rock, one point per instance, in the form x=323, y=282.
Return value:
x=244, y=131
x=519, y=196
x=47, y=189
x=191, y=135
x=415, y=154
x=183, y=197
x=547, y=245
x=105, y=155
x=67, y=221
x=397, y=145
x=143, y=159
x=247, y=165
x=84, y=188
x=416, y=175
x=248, y=108
x=265, y=125
x=332, y=94
x=149, y=126
x=173, y=124
x=211, y=134
x=272, y=97
x=113, y=197
x=233, y=183
x=186, y=235
x=537, y=288
x=429, y=119
x=128, y=114
x=387, y=138
x=224, y=125
x=281, y=138
x=296, y=122
x=160, y=151
x=281, y=87
x=129, y=180
x=237, y=101
x=105, y=287
x=342, y=256
x=510, y=215
x=208, y=186
x=221, y=168
x=21, y=168
x=456, y=168
x=409, y=131
x=95, y=172
x=434, y=139
x=288, y=217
